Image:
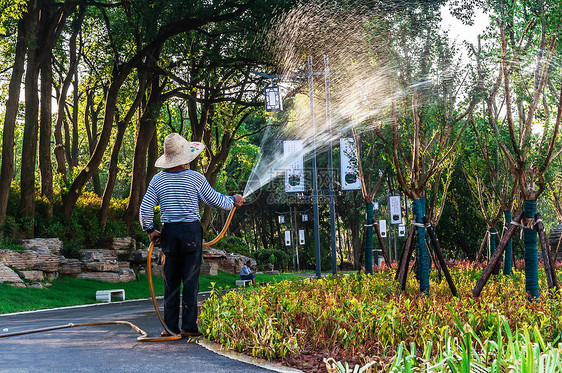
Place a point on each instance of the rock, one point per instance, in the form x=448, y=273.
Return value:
x=105, y=266
x=18, y=284
x=127, y=275
x=139, y=256
x=37, y=258
x=123, y=265
x=157, y=269
x=228, y=262
x=100, y=276
x=70, y=267
x=35, y=285
x=92, y=255
x=209, y=268
x=51, y=275
x=274, y=272
x=54, y=245
x=123, y=243
x=121, y=276
x=8, y=275
x=32, y=275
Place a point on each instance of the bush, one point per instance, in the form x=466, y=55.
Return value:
x=233, y=244
x=281, y=258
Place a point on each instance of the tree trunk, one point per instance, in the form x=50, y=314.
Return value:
x=45, y=166
x=75, y=96
x=153, y=154
x=422, y=254
x=30, y=132
x=12, y=104
x=369, y=239
x=112, y=173
x=531, y=256
x=147, y=127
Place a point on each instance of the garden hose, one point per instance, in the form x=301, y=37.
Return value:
x=224, y=229
x=143, y=336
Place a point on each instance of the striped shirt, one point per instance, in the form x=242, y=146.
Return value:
x=178, y=194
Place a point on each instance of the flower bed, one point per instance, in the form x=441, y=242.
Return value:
x=362, y=317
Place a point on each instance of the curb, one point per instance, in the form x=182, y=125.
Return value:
x=216, y=348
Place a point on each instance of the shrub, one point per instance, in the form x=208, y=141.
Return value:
x=233, y=244
x=280, y=258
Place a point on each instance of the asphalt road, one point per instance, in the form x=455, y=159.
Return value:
x=108, y=348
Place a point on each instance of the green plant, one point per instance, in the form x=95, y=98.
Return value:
x=278, y=258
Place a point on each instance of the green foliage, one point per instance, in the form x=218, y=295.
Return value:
x=362, y=315
x=278, y=258
x=233, y=244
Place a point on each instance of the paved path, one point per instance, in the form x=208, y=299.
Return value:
x=110, y=348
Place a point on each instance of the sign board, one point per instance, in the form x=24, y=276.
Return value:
x=401, y=230
x=395, y=209
x=294, y=174
x=287, y=238
x=281, y=219
x=304, y=217
x=273, y=101
x=348, y=157
x=382, y=227
x=301, y=237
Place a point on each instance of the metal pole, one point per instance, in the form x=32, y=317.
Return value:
x=296, y=231
x=314, y=174
x=330, y=168
x=293, y=244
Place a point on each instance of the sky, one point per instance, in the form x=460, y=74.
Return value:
x=460, y=32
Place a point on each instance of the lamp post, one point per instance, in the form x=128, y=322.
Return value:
x=309, y=75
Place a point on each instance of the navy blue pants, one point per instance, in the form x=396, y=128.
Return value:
x=182, y=244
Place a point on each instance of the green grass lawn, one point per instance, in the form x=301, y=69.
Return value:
x=68, y=291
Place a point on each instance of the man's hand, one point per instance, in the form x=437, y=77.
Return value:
x=154, y=236
x=239, y=200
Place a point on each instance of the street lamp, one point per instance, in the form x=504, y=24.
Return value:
x=273, y=101
x=275, y=97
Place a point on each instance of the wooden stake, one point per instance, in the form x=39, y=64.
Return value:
x=405, y=250
x=408, y=249
x=437, y=249
x=549, y=270
x=497, y=255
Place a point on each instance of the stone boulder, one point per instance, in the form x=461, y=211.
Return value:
x=37, y=258
x=70, y=267
x=105, y=266
x=32, y=275
x=8, y=275
x=121, y=276
x=123, y=243
x=228, y=262
x=54, y=245
x=209, y=268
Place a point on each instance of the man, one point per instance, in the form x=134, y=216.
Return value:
x=178, y=191
x=246, y=273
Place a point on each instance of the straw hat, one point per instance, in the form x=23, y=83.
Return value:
x=178, y=151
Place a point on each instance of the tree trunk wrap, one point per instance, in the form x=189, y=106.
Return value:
x=493, y=234
x=423, y=256
x=531, y=256
x=369, y=238
x=508, y=248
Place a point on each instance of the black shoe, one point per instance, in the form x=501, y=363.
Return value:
x=185, y=333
